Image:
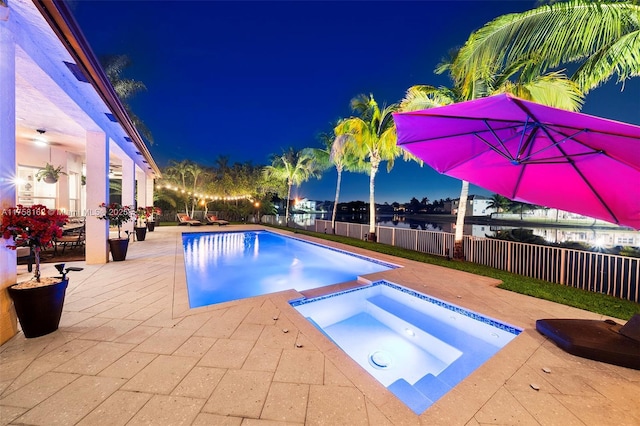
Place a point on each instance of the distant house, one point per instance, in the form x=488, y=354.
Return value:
x=306, y=205
x=477, y=205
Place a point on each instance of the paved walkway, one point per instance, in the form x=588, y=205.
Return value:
x=129, y=351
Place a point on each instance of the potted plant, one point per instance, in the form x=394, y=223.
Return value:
x=49, y=174
x=151, y=217
x=38, y=302
x=141, y=223
x=117, y=215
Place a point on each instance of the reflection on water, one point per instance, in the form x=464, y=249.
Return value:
x=604, y=238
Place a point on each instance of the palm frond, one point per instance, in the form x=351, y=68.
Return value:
x=621, y=58
x=560, y=33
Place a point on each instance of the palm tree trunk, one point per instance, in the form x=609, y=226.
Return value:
x=372, y=202
x=335, y=203
x=286, y=214
x=458, y=249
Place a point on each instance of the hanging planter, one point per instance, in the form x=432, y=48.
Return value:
x=49, y=174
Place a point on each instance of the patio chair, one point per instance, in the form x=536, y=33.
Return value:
x=74, y=238
x=213, y=220
x=184, y=219
x=605, y=341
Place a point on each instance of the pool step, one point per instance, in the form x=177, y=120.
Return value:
x=438, y=329
x=422, y=394
x=416, y=400
x=432, y=387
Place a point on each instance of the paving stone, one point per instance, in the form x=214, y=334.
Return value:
x=162, y=374
x=240, y=393
x=227, y=353
x=336, y=405
x=300, y=366
x=118, y=409
x=286, y=402
x=129, y=365
x=200, y=382
x=168, y=410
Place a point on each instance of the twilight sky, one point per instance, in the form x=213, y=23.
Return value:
x=247, y=79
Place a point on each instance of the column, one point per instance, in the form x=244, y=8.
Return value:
x=149, y=190
x=97, y=190
x=128, y=188
x=8, y=322
x=141, y=189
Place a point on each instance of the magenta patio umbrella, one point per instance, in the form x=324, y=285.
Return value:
x=532, y=153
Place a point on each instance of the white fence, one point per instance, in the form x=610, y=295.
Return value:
x=618, y=276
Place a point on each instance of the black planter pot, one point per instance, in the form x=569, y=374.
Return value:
x=151, y=226
x=141, y=233
x=119, y=248
x=39, y=309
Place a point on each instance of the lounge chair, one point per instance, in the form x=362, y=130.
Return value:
x=213, y=220
x=605, y=341
x=184, y=219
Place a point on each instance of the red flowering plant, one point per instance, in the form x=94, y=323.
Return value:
x=152, y=211
x=116, y=214
x=34, y=226
x=142, y=215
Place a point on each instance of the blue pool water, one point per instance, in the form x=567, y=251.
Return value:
x=225, y=266
x=417, y=346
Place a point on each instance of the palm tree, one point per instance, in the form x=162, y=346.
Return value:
x=195, y=171
x=499, y=203
x=335, y=153
x=293, y=167
x=125, y=88
x=602, y=37
x=371, y=138
x=177, y=172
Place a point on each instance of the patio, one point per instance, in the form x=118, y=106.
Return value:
x=130, y=351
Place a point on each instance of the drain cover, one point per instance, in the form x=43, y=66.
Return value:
x=380, y=359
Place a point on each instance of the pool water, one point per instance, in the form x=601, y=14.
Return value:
x=417, y=346
x=225, y=266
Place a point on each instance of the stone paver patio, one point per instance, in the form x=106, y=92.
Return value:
x=129, y=351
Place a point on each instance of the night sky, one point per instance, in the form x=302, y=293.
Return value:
x=249, y=79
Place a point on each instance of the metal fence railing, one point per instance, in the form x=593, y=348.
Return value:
x=618, y=276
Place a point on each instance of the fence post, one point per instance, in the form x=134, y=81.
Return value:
x=393, y=236
x=509, y=256
x=563, y=265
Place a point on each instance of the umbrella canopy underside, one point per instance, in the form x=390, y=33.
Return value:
x=532, y=153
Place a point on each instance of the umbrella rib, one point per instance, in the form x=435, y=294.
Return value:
x=561, y=159
x=507, y=154
x=494, y=148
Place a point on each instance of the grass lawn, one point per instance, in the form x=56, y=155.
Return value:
x=590, y=301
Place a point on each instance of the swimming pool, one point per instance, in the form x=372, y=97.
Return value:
x=417, y=346
x=225, y=266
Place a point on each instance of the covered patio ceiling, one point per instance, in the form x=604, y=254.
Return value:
x=52, y=87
